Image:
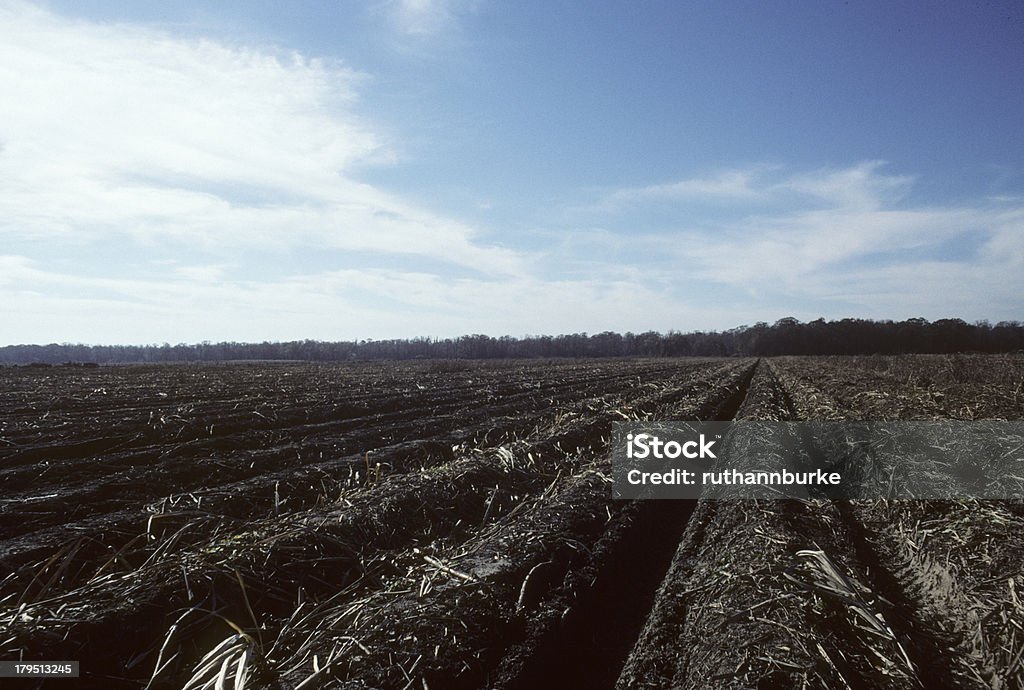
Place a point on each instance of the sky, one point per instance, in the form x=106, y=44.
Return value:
x=336, y=170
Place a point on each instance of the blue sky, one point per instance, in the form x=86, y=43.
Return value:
x=248, y=171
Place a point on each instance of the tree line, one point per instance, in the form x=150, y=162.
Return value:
x=785, y=337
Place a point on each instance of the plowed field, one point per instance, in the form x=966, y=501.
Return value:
x=450, y=525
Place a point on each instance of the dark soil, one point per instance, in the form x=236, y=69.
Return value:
x=425, y=525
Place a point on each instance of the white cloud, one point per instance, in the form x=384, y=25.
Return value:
x=118, y=132
x=182, y=305
x=725, y=186
x=786, y=248
x=845, y=240
x=929, y=288
x=859, y=187
x=202, y=274
x=423, y=17
x=200, y=163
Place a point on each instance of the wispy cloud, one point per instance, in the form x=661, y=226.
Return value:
x=784, y=250
x=422, y=17
x=184, y=306
x=117, y=132
x=840, y=239
x=154, y=187
x=728, y=186
x=864, y=185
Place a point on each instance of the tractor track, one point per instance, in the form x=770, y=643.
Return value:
x=589, y=647
x=924, y=647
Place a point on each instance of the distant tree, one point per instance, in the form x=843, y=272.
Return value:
x=785, y=336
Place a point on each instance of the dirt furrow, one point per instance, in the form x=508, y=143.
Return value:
x=104, y=613
x=540, y=575
x=948, y=568
x=766, y=593
x=272, y=492
x=589, y=647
